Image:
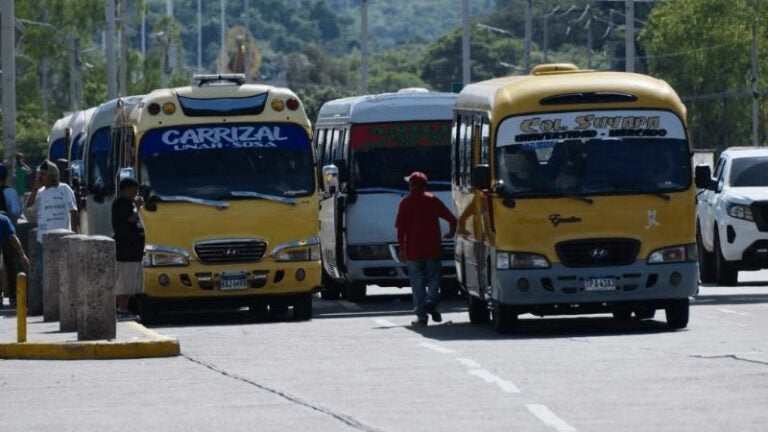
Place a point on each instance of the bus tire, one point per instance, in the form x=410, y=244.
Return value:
x=706, y=259
x=302, y=308
x=332, y=290
x=356, y=291
x=278, y=310
x=677, y=314
x=478, y=310
x=504, y=318
x=725, y=273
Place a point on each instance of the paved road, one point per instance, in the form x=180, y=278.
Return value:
x=361, y=368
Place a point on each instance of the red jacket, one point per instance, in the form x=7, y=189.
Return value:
x=418, y=225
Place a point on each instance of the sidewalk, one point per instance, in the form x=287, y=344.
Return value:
x=46, y=342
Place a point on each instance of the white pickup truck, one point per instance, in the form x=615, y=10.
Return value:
x=732, y=215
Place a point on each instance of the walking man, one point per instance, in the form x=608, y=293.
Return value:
x=129, y=241
x=55, y=208
x=418, y=235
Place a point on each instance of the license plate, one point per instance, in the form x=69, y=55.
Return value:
x=600, y=284
x=233, y=281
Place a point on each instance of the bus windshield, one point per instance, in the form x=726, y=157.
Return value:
x=591, y=154
x=384, y=153
x=58, y=149
x=99, y=177
x=226, y=161
x=749, y=172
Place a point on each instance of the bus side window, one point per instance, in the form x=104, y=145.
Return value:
x=334, y=153
x=319, y=146
x=455, y=148
x=345, y=144
x=484, y=141
x=467, y=153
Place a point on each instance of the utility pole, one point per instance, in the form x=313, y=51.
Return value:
x=590, y=52
x=199, y=36
x=110, y=47
x=171, y=44
x=466, y=70
x=546, y=38
x=528, y=35
x=629, y=35
x=222, y=54
x=74, y=74
x=123, y=53
x=8, y=35
x=143, y=32
x=755, y=106
x=364, y=47
x=248, y=53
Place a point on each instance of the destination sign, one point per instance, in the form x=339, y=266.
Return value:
x=405, y=134
x=224, y=136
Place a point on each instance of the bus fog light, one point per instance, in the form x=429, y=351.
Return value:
x=675, y=278
x=164, y=280
x=278, y=105
x=169, y=108
x=300, y=275
x=523, y=284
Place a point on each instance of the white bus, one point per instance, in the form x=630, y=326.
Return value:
x=58, y=138
x=367, y=145
x=97, y=172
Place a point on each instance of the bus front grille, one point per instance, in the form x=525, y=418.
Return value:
x=230, y=251
x=598, y=252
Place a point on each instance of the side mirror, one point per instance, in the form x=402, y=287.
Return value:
x=331, y=179
x=703, y=177
x=77, y=171
x=341, y=164
x=481, y=177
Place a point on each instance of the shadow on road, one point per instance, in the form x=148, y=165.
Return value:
x=723, y=299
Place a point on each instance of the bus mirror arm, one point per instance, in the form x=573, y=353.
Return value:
x=481, y=177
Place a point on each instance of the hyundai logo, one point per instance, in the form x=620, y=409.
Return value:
x=598, y=253
x=231, y=252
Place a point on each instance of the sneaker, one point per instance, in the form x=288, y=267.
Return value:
x=431, y=308
x=125, y=315
x=419, y=323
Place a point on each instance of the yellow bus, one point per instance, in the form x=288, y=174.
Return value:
x=574, y=194
x=227, y=175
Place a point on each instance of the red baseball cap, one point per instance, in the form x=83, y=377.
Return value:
x=416, y=175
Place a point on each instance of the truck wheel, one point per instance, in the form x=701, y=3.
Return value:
x=725, y=273
x=356, y=291
x=677, y=314
x=302, y=308
x=706, y=260
x=504, y=318
x=478, y=310
x=331, y=288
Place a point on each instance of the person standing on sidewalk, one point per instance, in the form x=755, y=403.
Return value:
x=22, y=172
x=129, y=241
x=55, y=206
x=418, y=236
x=11, y=207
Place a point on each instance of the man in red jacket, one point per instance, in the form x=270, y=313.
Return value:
x=418, y=235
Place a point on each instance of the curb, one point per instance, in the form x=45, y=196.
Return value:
x=156, y=345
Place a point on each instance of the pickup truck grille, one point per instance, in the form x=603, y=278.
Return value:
x=760, y=214
x=598, y=252
x=230, y=251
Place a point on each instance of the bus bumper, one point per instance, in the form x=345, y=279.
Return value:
x=562, y=289
x=389, y=272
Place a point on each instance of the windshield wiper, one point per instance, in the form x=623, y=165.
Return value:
x=189, y=199
x=381, y=190
x=276, y=198
x=581, y=198
x=661, y=195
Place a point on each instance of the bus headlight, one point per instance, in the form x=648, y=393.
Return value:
x=305, y=250
x=740, y=211
x=520, y=260
x=158, y=256
x=673, y=254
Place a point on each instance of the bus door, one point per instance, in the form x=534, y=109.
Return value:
x=332, y=201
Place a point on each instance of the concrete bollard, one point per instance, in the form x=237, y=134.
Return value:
x=53, y=244
x=96, y=297
x=70, y=281
x=35, y=284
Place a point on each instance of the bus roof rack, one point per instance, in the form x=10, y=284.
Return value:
x=205, y=79
x=553, y=68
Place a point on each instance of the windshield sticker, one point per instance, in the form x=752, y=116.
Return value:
x=543, y=128
x=206, y=137
x=652, y=221
x=372, y=136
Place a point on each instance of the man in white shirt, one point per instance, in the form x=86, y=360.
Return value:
x=56, y=208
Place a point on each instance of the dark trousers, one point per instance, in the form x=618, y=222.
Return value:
x=9, y=265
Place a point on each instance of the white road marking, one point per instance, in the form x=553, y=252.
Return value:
x=732, y=312
x=544, y=414
x=469, y=363
x=506, y=386
x=384, y=323
x=438, y=348
x=350, y=306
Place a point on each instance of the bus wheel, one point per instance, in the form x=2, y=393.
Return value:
x=356, y=291
x=504, y=318
x=677, y=314
x=478, y=310
x=332, y=290
x=257, y=310
x=278, y=310
x=302, y=308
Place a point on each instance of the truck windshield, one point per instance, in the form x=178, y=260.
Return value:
x=212, y=161
x=749, y=172
x=384, y=153
x=583, y=154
